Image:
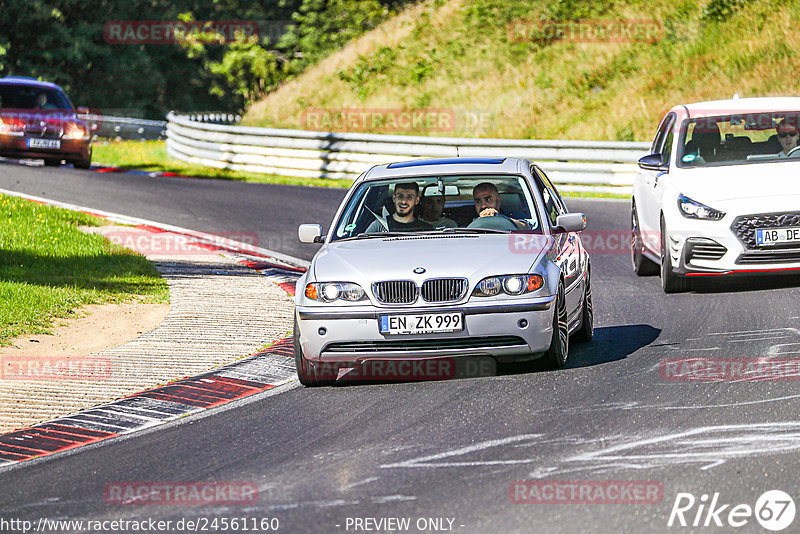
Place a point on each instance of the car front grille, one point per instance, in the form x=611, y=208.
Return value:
x=745, y=226
x=395, y=291
x=704, y=249
x=45, y=132
x=444, y=289
x=411, y=345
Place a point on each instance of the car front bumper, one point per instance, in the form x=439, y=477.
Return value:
x=12, y=146
x=507, y=331
x=711, y=248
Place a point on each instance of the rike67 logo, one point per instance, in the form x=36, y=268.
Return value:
x=774, y=510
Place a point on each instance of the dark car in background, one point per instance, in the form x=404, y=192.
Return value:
x=37, y=120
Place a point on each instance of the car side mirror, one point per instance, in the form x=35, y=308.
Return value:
x=310, y=233
x=83, y=111
x=570, y=222
x=652, y=162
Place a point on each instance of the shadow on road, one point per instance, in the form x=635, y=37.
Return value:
x=610, y=343
x=719, y=284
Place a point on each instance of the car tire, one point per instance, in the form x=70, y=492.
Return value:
x=671, y=282
x=556, y=355
x=642, y=265
x=305, y=370
x=50, y=162
x=82, y=164
x=586, y=331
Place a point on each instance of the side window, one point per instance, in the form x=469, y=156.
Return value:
x=553, y=204
x=661, y=134
x=666, y=150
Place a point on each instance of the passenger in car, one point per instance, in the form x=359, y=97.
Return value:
x=405, y=198
x=705, y=143
x=43, y=103
x=431, y=211
x=487, y=203
x=788, y=137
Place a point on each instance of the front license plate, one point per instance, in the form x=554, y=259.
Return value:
x=423, y=323
x=773, y=236
x=44, y=143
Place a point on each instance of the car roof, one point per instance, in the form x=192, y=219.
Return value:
x=24, y=80
x=445, y=166
x=741, y=105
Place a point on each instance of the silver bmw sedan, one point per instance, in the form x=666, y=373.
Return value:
x=429, y=263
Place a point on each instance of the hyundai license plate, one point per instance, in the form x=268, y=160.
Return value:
x=774, y=236
x=423, y=323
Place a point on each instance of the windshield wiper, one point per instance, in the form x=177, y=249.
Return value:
x=474, y=230
x=365, y=235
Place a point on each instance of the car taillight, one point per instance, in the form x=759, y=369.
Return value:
x=11, y=126
x=74, y=131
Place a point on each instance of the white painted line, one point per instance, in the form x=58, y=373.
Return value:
x=423, y=461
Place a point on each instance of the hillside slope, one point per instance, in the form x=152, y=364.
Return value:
x=500, y=68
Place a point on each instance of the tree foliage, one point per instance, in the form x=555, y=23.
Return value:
x=63, y=41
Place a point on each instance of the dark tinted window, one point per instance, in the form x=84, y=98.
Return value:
x=31, y=97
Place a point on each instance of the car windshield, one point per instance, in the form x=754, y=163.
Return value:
x=32, y=97
x=437, y=204
x=739, y=139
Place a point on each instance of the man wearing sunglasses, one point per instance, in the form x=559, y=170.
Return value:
x=788, y=136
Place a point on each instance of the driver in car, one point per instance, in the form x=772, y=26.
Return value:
x=788, y=137
x=487, y=203
x=406, y=196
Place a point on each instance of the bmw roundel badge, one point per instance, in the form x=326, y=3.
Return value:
x=419, y=270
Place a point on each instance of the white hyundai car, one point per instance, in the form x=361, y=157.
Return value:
x=719, y=194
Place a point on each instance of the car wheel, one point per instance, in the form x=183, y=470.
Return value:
x=82, y=164
x=642, y=266
x=556, y=355
x=305, y=370
x=586, y=331
x=50, y=162
x=671, y=282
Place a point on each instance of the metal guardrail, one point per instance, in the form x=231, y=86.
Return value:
x=216, y=143
x=126, y=128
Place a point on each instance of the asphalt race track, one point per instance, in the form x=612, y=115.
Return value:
x=446, y=453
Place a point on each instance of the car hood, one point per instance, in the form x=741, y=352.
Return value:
x=472, y=256
x=762, y=182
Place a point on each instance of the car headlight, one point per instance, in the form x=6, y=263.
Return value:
x=74, y=131
x=11, y=126
x=333, y=291
x=692, y=209
x=510, y=284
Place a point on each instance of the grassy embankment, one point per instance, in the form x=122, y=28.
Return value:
x=491, y=65
x=49, y=269
x=493, y=58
